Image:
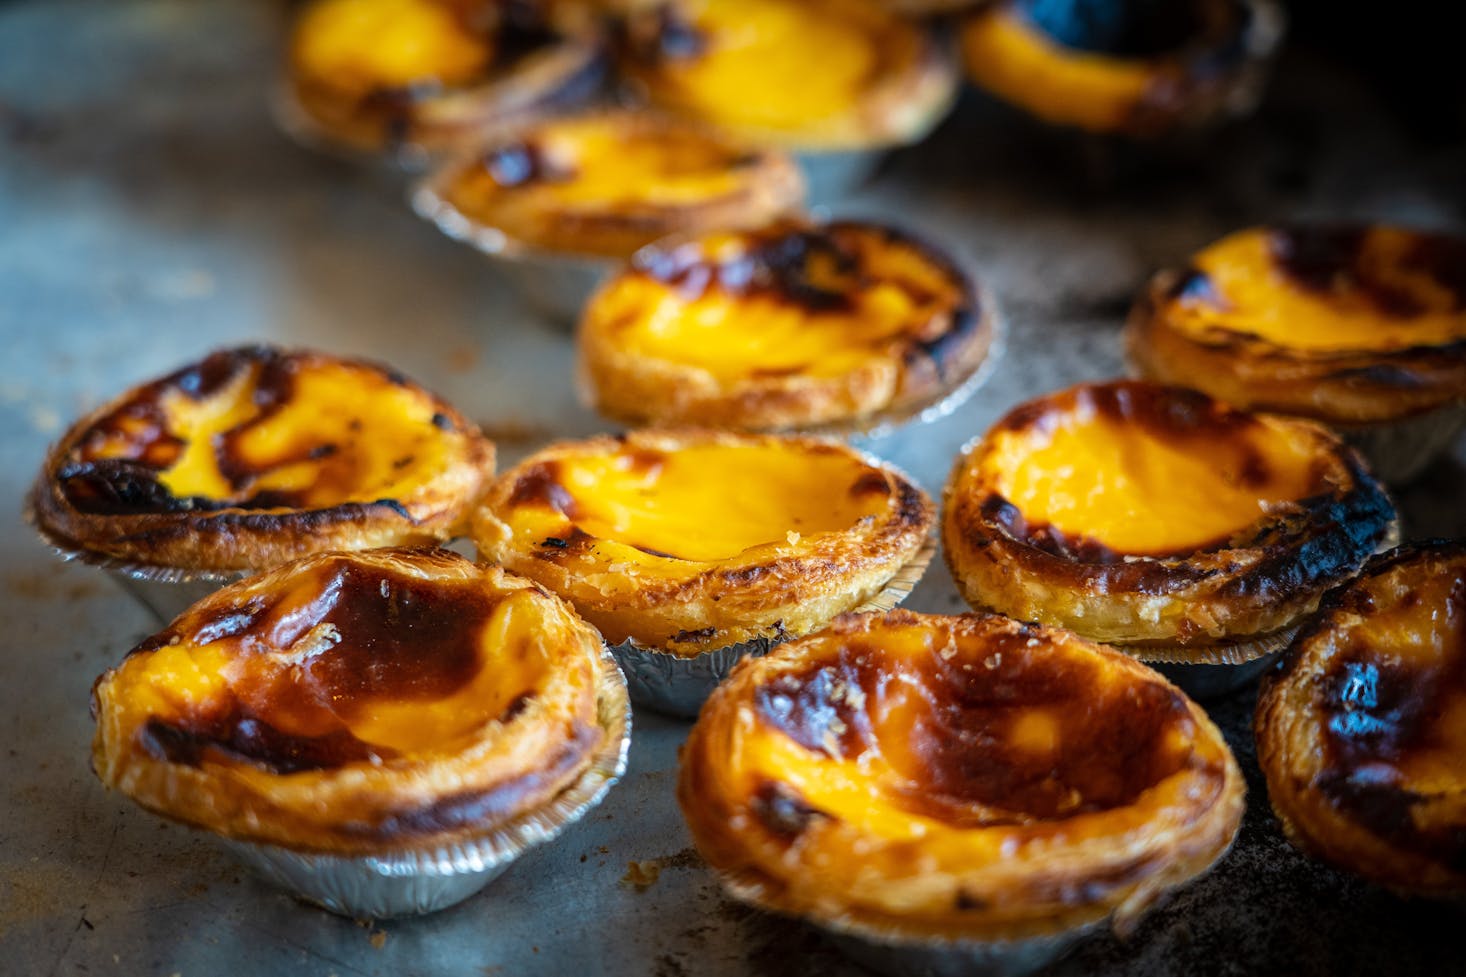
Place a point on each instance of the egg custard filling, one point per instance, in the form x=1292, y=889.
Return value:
x=805, y=74
x=1136, y=513
x=914, y=777
x=1362, y=733
x=356, y=703
x=688, y=541
x=256, y=455
x=1138, y=67
x=608, y=183
x=1343, y=323
x=790, y=326
x=376, y=75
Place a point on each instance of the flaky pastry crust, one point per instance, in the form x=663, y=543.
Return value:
x=914, y=777
x=1359, y=731
x=1161, y=68
x=1316, y=517
x=791, y=326
x=744, y=66
x=418, y=78
x=607, y=183
x=255, y=456
x=687, y=541
x=356, y=704
x=1346, y=324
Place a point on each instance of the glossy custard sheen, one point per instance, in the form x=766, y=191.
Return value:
x=822, y=302
x=1122, y=469
x=702, y=503
x=610, y=182
x=1379, y=684
x=261, y=429
x=341, y=673
x=1325, y=290
x=360, y=46
x=952, y=775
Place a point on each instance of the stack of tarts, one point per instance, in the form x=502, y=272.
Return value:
x=252, y=457
x=381, y=733
x=1362, y=327
x=954, y=795
x=691, y=549
x=842, y=327
x=1180, y=529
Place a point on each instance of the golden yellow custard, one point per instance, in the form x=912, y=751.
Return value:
x=910, y=777
x=1362, y=733
x=686, y=541
x=382, y=75
x=792, y=325
x=256, y=455
x=356, y=703
x=1141, y=514
x=744, y=65
x=608, y=183
x=1138, y=68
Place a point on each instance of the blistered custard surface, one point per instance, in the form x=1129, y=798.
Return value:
x=701, y=503
x=1142, y=474
x=787, y=300
x=259, y=429
x=361, y=679
x=940, y=774
x=687, y=540
x=1324, y=290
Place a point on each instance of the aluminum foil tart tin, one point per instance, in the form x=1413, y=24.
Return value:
x=414, y=882
x=946, y=958
x=1209, y=673
x=556, y=285
x=1399, y=451
x=832, y=177
x=676, y=686
x=391, y=164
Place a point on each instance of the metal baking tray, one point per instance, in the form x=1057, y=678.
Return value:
x=149, y=211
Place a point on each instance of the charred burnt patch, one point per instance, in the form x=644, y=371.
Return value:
x=236, y=735
x=541, y=485
x=782, y=810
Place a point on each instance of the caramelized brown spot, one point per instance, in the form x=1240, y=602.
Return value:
x=368, y=636
x=870, y=483
x=946, y=724
x=1331, y=258
x=540, y=485
x=781, y=809
x=1376, y=711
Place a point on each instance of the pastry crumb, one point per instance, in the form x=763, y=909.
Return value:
x=379, y=939
x=641, y=875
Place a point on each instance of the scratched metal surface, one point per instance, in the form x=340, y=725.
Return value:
x=150, y=212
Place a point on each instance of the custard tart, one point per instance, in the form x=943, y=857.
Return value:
x=1362, y=327
x=821, y=77
x=389, y=727
x=955, y=789
x=255, y=456
x=1138, y=68
x=1160, y=520
x=411, y=79
x=1362, y=732
x=607, y=183
x=847, y=325
x=701, y=546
